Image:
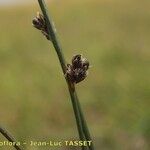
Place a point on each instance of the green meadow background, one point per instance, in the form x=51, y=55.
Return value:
x=115, y=37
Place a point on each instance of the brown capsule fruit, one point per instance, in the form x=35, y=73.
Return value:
x=77, y=71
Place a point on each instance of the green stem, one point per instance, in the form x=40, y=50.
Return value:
x=9, y=137
x=52, y=35
x=77, y=116
x=81, y=124
x=85, y=127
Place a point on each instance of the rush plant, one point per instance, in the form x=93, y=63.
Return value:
x=73, y=73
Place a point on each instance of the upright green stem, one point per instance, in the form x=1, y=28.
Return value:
x=85, y=127
x=81, y=124
x=52, y=34
x=9, y=137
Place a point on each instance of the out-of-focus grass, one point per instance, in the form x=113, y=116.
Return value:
x=115, y=36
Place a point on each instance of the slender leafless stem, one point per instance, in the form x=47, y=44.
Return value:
x=9, y=137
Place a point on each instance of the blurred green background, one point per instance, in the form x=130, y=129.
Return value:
x=115, y=37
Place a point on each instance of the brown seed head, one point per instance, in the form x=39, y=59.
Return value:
x=40, y=24
x=77, y=71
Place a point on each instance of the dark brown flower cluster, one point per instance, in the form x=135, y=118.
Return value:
x=77, y=71
x=40, y=24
